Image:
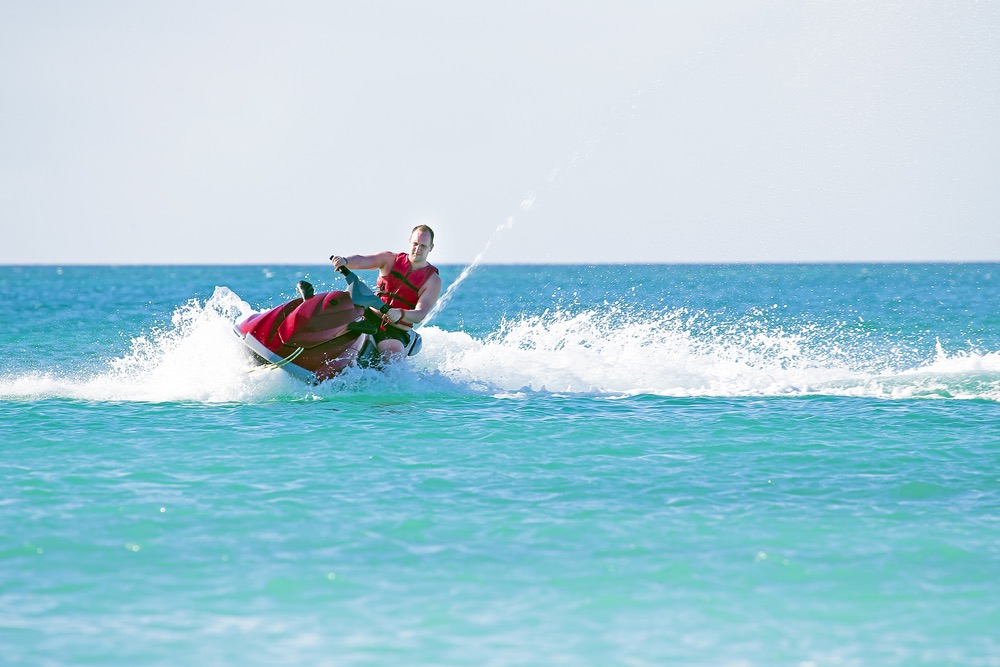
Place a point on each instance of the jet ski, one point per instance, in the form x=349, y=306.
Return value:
x=317, y=336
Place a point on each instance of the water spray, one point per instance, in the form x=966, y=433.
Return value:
x=576, y=158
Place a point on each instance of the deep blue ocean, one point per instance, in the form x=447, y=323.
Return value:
x=587, y=465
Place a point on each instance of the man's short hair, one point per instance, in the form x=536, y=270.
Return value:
x=423, y=228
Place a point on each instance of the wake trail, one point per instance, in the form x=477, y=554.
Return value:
x=615, y=351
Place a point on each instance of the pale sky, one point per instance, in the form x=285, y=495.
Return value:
x=256, y=132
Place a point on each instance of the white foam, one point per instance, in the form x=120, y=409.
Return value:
x=196, y=358
x=607, y=353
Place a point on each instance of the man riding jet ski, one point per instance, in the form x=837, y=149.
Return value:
x=317, y=336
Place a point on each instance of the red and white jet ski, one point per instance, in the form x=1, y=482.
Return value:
x=317, y=336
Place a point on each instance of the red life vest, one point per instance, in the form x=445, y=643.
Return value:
x=400, y=288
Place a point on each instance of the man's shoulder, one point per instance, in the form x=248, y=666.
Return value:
x=434, y=279
x=430, y=271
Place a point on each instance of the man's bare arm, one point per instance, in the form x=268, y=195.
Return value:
x=429, y=294
x=379, y=261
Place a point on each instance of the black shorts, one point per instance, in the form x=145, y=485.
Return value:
x=390, y=332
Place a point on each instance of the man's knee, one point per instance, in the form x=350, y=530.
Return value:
x=391, y=349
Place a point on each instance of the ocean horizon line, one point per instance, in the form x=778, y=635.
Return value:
x=943, y=262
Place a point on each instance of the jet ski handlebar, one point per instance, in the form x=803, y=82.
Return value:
x=361, y=294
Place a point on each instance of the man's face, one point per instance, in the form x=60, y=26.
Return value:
x=420, y=245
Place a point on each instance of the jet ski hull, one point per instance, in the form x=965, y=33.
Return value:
x=313, y=339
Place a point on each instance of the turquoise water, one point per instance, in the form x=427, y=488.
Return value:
x=614, y=465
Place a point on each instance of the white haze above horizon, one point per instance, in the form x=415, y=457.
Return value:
x=625, y=131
